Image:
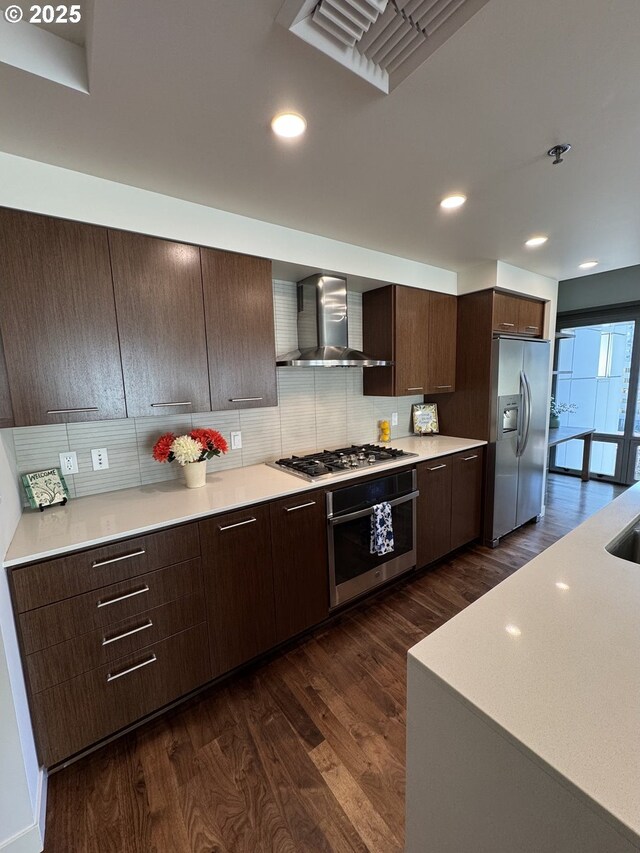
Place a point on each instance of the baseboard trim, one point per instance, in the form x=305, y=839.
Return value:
x=31, y=839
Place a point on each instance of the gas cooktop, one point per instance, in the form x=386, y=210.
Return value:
x=327, y=463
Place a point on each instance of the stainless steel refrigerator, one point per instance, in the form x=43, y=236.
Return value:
x=520, y=414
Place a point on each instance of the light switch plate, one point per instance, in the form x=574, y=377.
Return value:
x=394, y=419
x=236, y=440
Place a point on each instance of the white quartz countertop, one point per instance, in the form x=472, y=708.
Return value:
x=91, y=521
x=551, y=658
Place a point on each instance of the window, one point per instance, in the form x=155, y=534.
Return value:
x=597, y=370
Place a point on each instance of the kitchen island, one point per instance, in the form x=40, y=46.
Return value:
x=523, y=714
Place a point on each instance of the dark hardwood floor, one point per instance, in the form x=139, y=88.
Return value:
x=304, y=752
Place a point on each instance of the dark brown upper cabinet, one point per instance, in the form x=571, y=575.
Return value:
x=517, y=315
x=416, y=329
x=238, y=299
x=58, y=321
x=158, y=291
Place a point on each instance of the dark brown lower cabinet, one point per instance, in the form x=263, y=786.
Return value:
x=238, y=581
x=449, y=509
x=72, y=715
x=113, y=634
x=434, y=510
x=300, y=574
x=466, y=497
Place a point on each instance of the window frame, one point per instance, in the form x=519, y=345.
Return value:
x=628, y=441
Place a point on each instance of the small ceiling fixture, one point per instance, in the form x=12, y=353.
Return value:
x=587, y=265
x=453, y=201
x=534, y=242
x=557, y=151
x=288, y=125
x=513, y=630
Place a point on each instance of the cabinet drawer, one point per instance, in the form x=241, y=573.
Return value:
x=76, y=714
x=58, y=622
x=65, y=660
x=44, y=583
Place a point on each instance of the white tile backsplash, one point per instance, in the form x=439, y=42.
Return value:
x=297, y=405
x=317, y=408
x=331, y=407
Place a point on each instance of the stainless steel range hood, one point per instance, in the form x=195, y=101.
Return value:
x=322, y=327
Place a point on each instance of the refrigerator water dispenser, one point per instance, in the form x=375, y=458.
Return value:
x=508, y=415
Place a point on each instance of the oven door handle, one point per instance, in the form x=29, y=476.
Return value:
x=351, y=516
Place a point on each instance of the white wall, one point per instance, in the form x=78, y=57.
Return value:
x=22, y=784
x=41, y=188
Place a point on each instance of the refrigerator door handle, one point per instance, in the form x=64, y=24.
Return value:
x=526, y=399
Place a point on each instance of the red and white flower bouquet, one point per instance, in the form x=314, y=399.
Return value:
x=191, y=451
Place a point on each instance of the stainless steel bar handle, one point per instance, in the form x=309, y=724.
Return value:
x=107, y=640
x=444, y=386
x=436, y=468
x=243, y=399
x=369, y=510
x=520, y=421
x=469, y=458
x=113, y=676
x=67, y=411
x=162, y=405
x=510, y=325
x=99, y=563
x=237, y=524
x=118, y=598
x=527, y=389
x=300, y=506
x=533, y=328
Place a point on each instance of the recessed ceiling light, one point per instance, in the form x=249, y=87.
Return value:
x=562, y=585
x=534, y=242
x=513, y=630
x=453, y=201
x=288, y=125
x=587, y=265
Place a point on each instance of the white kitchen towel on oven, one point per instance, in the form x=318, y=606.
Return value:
x=381, y=530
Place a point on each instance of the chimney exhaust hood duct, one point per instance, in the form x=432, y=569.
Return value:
x=322, y=327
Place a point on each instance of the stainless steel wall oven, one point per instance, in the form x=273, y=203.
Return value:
x=352, y=568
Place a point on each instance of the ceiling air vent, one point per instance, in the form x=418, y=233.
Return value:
x=383, y=41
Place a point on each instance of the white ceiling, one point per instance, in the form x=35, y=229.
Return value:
x=182, y=94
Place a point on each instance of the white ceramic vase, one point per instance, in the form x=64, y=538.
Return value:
x=195, y=474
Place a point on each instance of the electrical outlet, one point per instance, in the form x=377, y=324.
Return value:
x=69, y=462
x=394, y=419
x=236, y=440
x=100, y=459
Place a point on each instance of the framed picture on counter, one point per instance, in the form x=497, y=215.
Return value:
x=425, y=419
x=45, y=488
